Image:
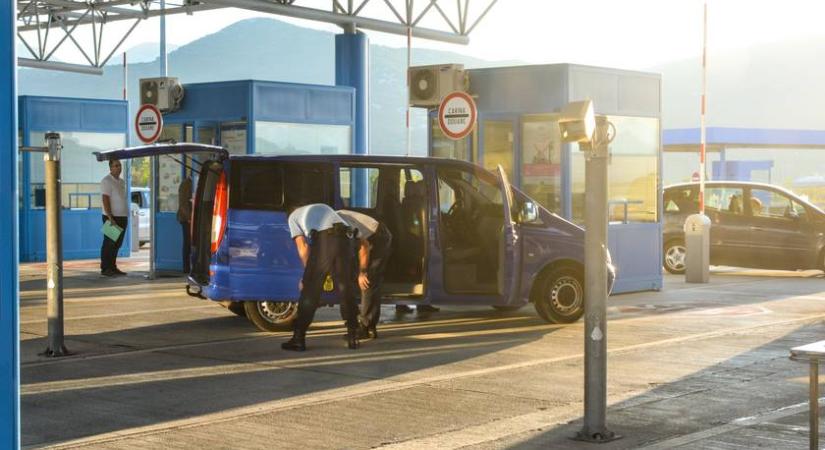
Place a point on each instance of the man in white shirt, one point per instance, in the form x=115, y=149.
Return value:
x=115, y=211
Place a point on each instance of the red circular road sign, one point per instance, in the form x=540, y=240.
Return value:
x=457, y=115
x=148, y=123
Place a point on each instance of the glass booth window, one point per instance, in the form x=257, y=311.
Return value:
x=233, y=137
x=444, y=147
x=498, y=145
x=541, y=160
x=80, y=171
x=277, y=138
x=633, y=172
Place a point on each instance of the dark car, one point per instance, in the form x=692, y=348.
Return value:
x=752, y=225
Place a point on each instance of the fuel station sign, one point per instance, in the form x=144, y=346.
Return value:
x=148, y=123
x=457, y=115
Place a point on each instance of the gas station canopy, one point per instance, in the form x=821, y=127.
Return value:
x=46, y=25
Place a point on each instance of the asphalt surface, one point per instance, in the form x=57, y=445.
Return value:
x=692, y=366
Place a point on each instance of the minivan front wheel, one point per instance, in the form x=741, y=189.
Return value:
x=674, y=256
x=559, y=295
x=271, y=316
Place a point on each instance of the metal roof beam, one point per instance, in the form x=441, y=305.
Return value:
x=116, y=17
x=64, y=67
x=343, y=20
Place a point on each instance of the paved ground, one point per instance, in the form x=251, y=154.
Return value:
x=693, y=366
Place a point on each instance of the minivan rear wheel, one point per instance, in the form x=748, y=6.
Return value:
x=559, y=295
x=674, y=256
x=271, y=316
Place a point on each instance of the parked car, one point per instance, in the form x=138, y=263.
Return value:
x=752, y=225
x=140, y=203
x=461, y=235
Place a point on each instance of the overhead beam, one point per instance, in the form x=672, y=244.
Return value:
x=61, y=66
x=117, y=17
x=342, y=20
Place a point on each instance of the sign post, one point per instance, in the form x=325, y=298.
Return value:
x=457, y=115
x=148, y=126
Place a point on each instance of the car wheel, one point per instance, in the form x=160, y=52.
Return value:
x=674, y=257
x=559, y=295
x=507, y=308
x=271, y=316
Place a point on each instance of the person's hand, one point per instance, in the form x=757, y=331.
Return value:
x=363, y=281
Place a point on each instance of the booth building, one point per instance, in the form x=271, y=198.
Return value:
x=518, y=128
x=85, y=126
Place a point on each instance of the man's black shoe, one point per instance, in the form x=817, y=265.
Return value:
x=403, y=309
x=352, y=339
x=295, y=344
x=107, y=273
x=117, y=271
x=366, y=332
x=374, y=332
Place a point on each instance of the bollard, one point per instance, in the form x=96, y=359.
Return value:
x=134, y=228
x=697, y=249
x=54, y=249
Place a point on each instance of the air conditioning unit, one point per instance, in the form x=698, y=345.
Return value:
x=166, y=93
x=430, y=84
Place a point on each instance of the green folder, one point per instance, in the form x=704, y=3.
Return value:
x=111, y=230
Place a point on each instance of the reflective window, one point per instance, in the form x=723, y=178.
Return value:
x=541, y=160
x=233, y=137
x=498, y=145
x=276, y=138
x=681, y=200
x=347, y=176
x=444, y=147
x=632, y=172
x=80, y=171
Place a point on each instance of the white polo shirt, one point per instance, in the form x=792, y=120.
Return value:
x=115, y=188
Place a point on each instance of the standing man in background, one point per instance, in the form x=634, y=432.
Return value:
x=115, y=211
x=184, y=217
x=374, y=251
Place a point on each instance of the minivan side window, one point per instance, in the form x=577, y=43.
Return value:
x=346, y=176
x=681, y=200
x=275, y=186
x=730, y=200
x=768, y=203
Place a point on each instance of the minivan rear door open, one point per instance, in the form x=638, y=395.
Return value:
x=204, y=196
x=509, y=268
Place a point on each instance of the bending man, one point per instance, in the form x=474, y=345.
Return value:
x=373, y=253
x=324, y=244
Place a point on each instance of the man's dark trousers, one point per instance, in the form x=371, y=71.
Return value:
x=109, y=249
x=329, y=253
x=381, y=247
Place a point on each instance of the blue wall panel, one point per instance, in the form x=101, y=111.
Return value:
x=9, y=318
x=81, y=235
x=303, y=103
x=73, y=114
x=636, y=249
x=168, y=254
x=223, y=101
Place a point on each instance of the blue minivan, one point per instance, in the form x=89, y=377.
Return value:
x=461, y=234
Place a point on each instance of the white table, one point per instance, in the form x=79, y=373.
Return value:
x=812, y=354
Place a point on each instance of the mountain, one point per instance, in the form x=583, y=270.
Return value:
x=145, y=52
x=264, y=49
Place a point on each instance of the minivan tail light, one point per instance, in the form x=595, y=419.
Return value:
x=219, y=213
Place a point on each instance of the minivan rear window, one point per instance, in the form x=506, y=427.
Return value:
x=275, y=186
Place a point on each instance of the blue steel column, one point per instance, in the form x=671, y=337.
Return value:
x=352, y=69
x=9, y=348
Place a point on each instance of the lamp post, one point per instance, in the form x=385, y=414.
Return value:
x=578, y=123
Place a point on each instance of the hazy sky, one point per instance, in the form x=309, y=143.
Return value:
x=633, y=34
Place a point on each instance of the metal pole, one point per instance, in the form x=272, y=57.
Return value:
x=595, y=276
x=153, y=160
x=54, y=249
x=813, y=416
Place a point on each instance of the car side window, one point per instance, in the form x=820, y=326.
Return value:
x=681, y=200
x=346, y=178
x=772, y=204
x=726, y=200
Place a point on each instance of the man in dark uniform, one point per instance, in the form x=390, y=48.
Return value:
x=373, y=254
x=328, y=251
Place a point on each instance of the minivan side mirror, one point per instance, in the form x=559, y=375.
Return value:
x=529, y=212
